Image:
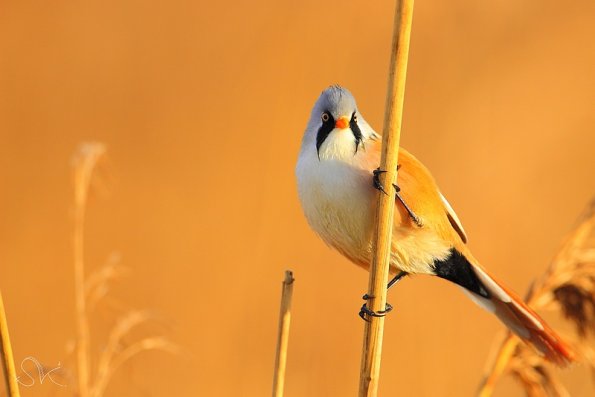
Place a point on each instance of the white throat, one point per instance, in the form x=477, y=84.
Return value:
x=340, y=145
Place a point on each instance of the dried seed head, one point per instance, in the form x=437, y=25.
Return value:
x=578, y=306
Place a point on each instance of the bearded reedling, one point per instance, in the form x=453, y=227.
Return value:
x=337, y=183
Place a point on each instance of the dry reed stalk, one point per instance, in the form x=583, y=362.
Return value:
x=10, y=375
x=374, y=329
x=283, y=335
x=89, y=291
x=84, y=163
x=567, y=286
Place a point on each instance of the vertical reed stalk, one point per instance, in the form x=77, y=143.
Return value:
x=10, y=375
x=283, y=335
x=374, y=329
x=84, y=163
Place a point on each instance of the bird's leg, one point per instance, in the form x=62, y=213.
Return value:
x=364, y=309
x=378, y=185
x=412, y=215
x=396, y=279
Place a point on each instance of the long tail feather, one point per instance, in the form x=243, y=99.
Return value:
x=520, y=319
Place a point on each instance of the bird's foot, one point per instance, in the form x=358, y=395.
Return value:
x=376, y=180
x=364, y=311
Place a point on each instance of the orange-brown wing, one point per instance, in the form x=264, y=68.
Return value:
x=420, y=191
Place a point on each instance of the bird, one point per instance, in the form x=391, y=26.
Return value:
x=338, y=181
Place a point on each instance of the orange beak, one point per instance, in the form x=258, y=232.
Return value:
x=342, y=123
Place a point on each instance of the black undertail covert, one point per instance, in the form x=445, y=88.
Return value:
x=456, y=268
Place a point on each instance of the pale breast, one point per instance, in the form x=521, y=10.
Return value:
x=338, y=201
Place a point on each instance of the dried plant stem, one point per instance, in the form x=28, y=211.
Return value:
x=84, y=164
x=374, y=329
x=498, y=365
x=82, y=327
x=10, y=375
x=283, y=335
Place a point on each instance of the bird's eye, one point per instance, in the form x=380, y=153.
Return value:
x=354, y=118
x=325, y=117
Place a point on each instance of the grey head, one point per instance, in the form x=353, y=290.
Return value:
x=339, y=101
x=335, y=111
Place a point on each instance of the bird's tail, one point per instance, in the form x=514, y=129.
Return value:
x=519, y=318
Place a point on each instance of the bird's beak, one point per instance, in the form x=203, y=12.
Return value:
x=342, y=123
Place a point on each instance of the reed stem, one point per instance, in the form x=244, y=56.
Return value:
x=374, y=329
x=283, y=335
x=10, y=375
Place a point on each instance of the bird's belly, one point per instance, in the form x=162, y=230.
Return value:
x=339, y=203
x=347, y=228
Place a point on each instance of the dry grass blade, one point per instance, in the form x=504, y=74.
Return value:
x=10, y=376
x=568, y=286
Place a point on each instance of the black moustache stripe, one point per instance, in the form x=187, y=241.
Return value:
x=357, y=133
x=323, y=132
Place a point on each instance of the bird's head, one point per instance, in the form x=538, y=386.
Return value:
x=336, y=129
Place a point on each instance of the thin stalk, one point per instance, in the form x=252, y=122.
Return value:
x=84, y=163
x=10, y=375
x=82, y=326
x=498, y=365
x=283, y=335
x=374, y=329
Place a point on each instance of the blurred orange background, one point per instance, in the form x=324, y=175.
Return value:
x=202, y=108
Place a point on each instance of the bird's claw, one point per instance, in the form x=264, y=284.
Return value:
x=376, y=180
x=370, y=313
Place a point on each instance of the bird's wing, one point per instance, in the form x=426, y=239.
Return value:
x=420, y=191
x=454, y=219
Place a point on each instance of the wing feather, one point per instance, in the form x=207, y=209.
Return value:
x=454, y=219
